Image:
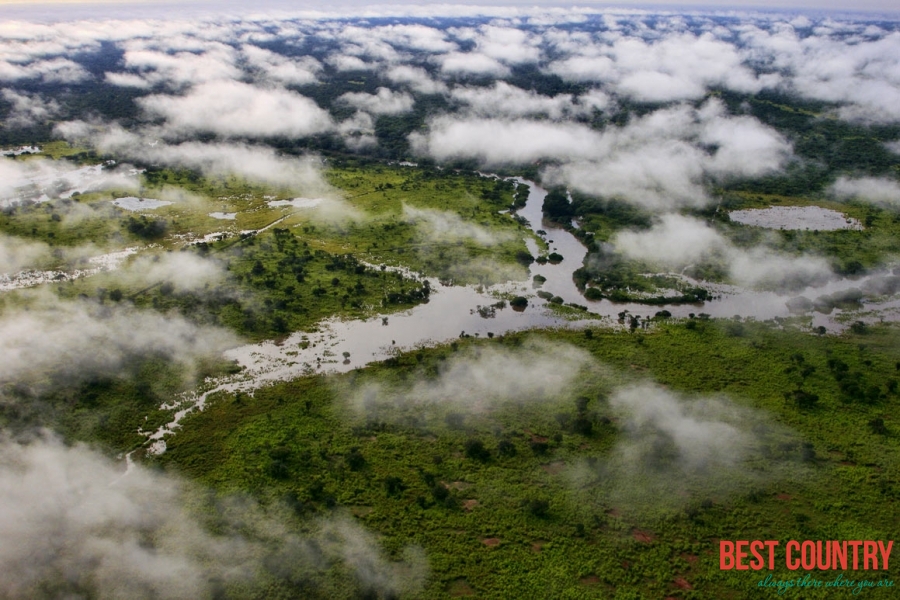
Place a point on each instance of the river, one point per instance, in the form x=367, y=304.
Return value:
x=454, y=310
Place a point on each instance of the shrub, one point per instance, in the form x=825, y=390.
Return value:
x=393, y=485
x=355, y=460
x=476, y=451
x=440, y=492
x=506, y=448
x=538, y=508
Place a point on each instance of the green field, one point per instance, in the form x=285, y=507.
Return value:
x=512, y=464
x=509, y=493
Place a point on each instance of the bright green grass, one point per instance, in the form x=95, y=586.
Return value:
x=591, y=542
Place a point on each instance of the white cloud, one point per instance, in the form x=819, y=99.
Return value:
x=472, y=63
x=444, y=226
x=677, y=241
x=257, y=164
x=348, y=63
x=505, y=100
x=29, y=109
x=234, y=109
x=151, y=68
x=675, y=450
x=658, y=161
x=679, y=66
x=509, y=45
x=416, y=78
x=862, y=73
x=480, y=379
x=415, y=37
x=40, y=179
x=83, y=528
x=82, y=338
x=54, y=70
x=873, y=189
x=299, y=71
x=19, y=253
x=500, y=141
x=186, y=271
x=382, y=102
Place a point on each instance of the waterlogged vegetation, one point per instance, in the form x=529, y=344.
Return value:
x=311, y=345
x=107, y=408
x=303, y=265
x=849, y=251
x=853, y=251
x=516, y=488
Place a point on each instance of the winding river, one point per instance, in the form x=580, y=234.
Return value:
x=454, y=310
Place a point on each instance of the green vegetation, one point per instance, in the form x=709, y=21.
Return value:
x=309, y=266
x=494, y=495
x=849, y=251
x=506, y=493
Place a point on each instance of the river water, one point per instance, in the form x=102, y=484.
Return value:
x=454, y=310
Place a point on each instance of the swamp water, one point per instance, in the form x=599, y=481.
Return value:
x=454, y=310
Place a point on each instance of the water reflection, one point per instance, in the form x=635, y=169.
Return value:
x=453, y=311
x=814, y=218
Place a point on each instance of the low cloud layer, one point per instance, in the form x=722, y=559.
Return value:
x=444, y=226
x=148, y=68
x=185, y=271
x=658, y=161
x=505, y=100
x=676, y=242
x=878, y=190
x=480, y=379
x=382, y=102
x=76, y=524
x=257, y=164
x=235, y=109
x=28, y=109
x=673, y=450
x=18, y=253
x=80, y=339
x=41, y=180
x=679, y=66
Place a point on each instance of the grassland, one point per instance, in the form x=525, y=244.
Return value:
x=523, y=497
x=308, y=264
x=499, y=500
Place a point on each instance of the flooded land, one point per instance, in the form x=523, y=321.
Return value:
x=813, y=218
x=425, y=302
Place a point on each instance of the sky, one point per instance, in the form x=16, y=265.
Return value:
x=64, y=9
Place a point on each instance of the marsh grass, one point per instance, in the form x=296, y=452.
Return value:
x=829, y=476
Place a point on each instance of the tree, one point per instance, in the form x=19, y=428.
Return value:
x=877, y=426
x=355, y=460
x=557, y=205
x=476, y=451
x=440, y=492
x=393, y=486
x=538, y=508
x=506, y=448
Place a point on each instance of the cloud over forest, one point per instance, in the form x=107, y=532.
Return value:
x=674, y=449
x=83, y=527
x=677, y=241
x=480, y=380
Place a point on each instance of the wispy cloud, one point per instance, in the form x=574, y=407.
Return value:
x=677, y=241
x=83, y=528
